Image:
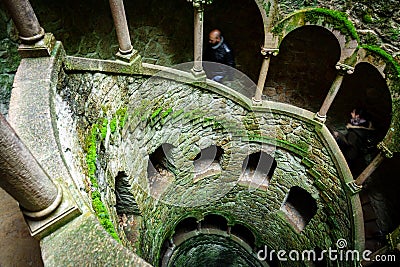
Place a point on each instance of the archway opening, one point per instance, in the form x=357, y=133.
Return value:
x=159, y=169
x=125, y=201
x=257, y=169
x=299, y=207
x=303, y=71
x=365, y=89
x=186, y=225
x=214, y=221
x=241, y=24
x=244, y=233
x=381, y=195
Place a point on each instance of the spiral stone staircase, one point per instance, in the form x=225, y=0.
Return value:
x=122, y=162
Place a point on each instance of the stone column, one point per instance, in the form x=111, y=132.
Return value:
x=343, y=69
x=356, y=185
x=370, y=169
x=25, y=20
x=22, y=176
x=34, y=41
x=267, y=53
x=198, y=5
x=121, y=26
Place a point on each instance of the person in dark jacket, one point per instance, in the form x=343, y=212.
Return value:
x=359, y=139
x=218, y=51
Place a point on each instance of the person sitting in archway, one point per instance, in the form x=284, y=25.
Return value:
x=359, y=140
x=218, y=51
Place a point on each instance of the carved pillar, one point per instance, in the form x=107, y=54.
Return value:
x=198, y=5
x=22, y=176
x=34, y=41
x=356, y=185
x=121, y=26
x=343, y=69
x=267, y=53
x=125, y=52
x=25, y=20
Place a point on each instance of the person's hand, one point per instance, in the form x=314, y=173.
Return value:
x=348, y=125
x=336, y=134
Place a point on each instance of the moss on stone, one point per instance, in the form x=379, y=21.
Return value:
x=394, y=67
x=91, y=157
x=122, y=116
x=318, y=16
x=337, y=19
x=156, y=112
x=367, y=18
x=267, y=7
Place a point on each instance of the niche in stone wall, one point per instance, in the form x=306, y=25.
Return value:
x=125, y=201
x=257, y=170
x=244, y=234
x=299, y=207
x=186, y=225
x=214, y=221
x=207, y=162
x=159, y=169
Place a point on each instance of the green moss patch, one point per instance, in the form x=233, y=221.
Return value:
x=394, y=67
x=97, y=134
x=318, y=16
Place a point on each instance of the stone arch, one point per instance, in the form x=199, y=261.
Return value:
x=214, y=221
x=334, y=21
x=365, y=88
x=390, y=72
x=159, y=169
x=303, y=71
x=186, y=225
x=245, y=34
x=244, y=233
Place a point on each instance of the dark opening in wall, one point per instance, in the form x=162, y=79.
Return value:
x=186, y=225
x=242, y=27
x=183, y=228
x=159, y=169
x=382, y=188
x=214, y=221
x=365, y=89
x=244, y=233
x=159, y=161
x=126, y=203
x=207, y=162
x=257, y=169
x=303, y=71
x=299, y=207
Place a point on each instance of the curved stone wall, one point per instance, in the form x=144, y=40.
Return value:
x=114, y=123
x=94, y=35
x=189, y=118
